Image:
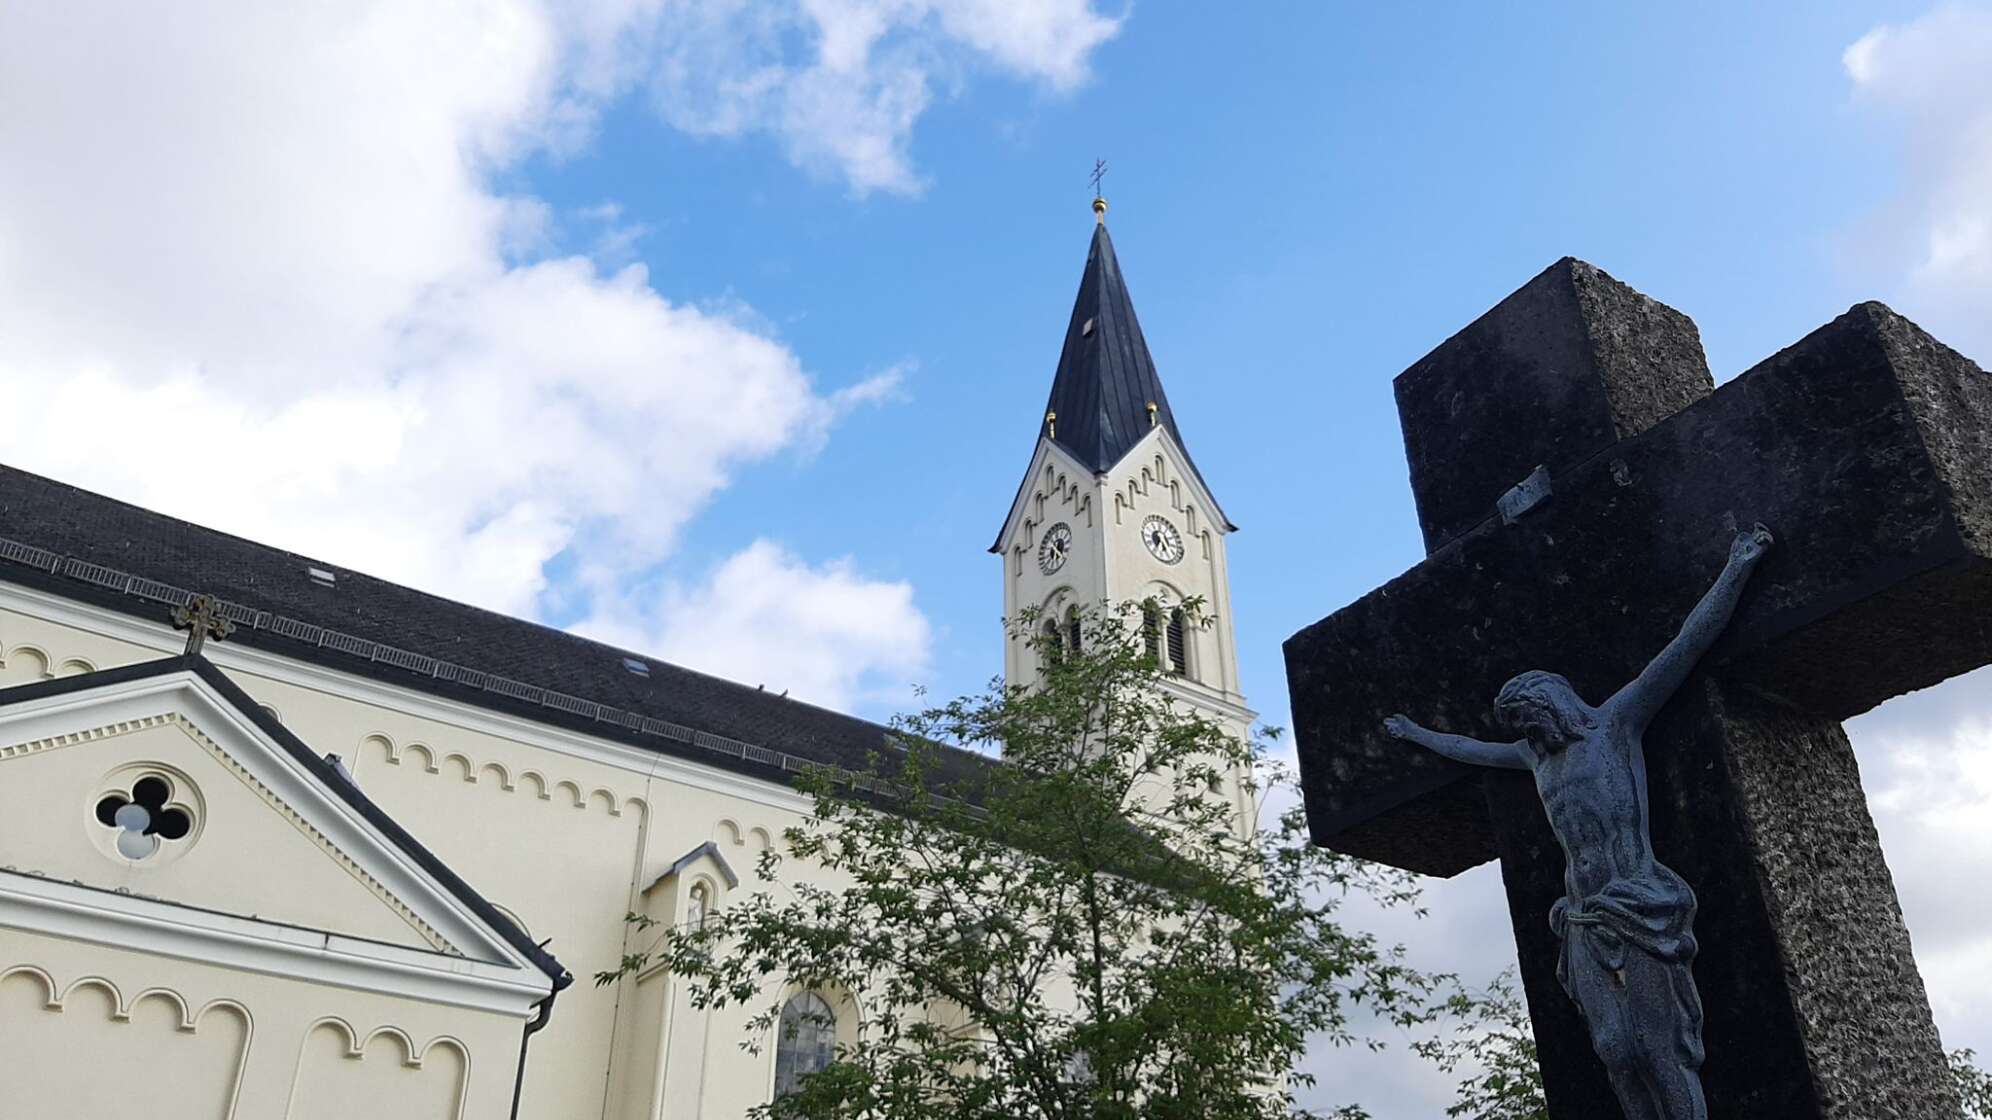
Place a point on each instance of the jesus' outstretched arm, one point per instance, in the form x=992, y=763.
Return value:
x=1459, y=748
x=1637, y=703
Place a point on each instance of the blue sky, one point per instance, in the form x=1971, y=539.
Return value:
x=1295, y=233
x=722, y=330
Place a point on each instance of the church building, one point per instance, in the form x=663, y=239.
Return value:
x=279, y=839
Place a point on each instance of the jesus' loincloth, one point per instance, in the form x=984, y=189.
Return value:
x=1626, y=960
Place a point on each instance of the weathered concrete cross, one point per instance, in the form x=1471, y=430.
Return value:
x=1867, y=447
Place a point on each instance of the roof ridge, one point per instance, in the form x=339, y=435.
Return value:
x=665, y=710
x=382, y=653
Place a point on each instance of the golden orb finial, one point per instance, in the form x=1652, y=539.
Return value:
x=1099, y=210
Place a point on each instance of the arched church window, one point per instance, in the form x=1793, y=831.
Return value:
x=1178, y=643
x=1151, y=630
x=1072, y=629
x=808, y=1041
x=1051, y=647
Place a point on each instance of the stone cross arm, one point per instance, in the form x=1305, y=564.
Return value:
x=1866, y=447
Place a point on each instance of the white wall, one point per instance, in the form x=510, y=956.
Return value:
x=561, y=830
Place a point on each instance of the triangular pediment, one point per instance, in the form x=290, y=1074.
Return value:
x=162, y=785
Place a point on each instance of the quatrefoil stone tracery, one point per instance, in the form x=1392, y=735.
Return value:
x=145, y=819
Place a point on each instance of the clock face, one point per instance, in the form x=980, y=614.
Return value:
x=1162, y=539
x=1055, y=547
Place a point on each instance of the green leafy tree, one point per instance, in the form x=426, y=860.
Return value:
x=1492, y=1039
x=1090, y=930
x=1974, y=1085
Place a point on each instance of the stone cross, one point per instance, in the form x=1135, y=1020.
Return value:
x=201, y=619
x=1577, y=478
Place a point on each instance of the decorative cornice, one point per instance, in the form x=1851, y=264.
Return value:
x=57, y=999
x=433, y=761
x=71, y=738
x=51, y=668
x=134, y=922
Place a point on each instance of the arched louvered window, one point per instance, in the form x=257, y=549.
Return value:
x=1179, y=663
x=807, y=1043
x=1151, y=630
x=1072, y=629
x=1052, y=646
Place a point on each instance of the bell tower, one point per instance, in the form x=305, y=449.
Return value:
x=1112, y=506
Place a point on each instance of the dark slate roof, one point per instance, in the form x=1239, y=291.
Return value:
x=320, y=768
x=1106, y=378
x=85, y=546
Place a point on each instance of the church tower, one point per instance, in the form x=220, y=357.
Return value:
x=1113, y=507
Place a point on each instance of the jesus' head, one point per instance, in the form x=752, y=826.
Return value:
x=1544, y=707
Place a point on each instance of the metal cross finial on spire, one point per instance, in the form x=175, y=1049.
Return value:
x=1099, y=200
x=202, y=620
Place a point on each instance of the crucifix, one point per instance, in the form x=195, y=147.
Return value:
x=1578, y=479
x=1099, y=173
x=201, y=619
x=1626, y=921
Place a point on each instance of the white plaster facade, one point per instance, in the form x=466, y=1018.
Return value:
x=564, y=832
x=283, y=957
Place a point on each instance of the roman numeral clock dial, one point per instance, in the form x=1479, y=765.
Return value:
x=1055, y=547
x=1163, y=541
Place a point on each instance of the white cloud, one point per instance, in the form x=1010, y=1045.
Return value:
x=254, y=271
x=824, y=634
x=840, y=83
x=1926, y=760
x=1931, y=76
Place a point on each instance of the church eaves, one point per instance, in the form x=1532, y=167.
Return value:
x=1106, y=380
x=81, y=546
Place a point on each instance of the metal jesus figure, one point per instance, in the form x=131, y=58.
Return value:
x=1626, y=922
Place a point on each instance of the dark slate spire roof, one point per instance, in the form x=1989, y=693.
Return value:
x=1106, y=379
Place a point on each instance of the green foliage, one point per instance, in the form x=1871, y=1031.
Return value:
x=1492, y=1038
x=1974, y=1085
x=1090, y=931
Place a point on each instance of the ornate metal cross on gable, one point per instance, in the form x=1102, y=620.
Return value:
x=1868, y=447
x=201, y=619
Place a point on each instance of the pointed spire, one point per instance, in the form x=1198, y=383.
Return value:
x=1106, y=394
